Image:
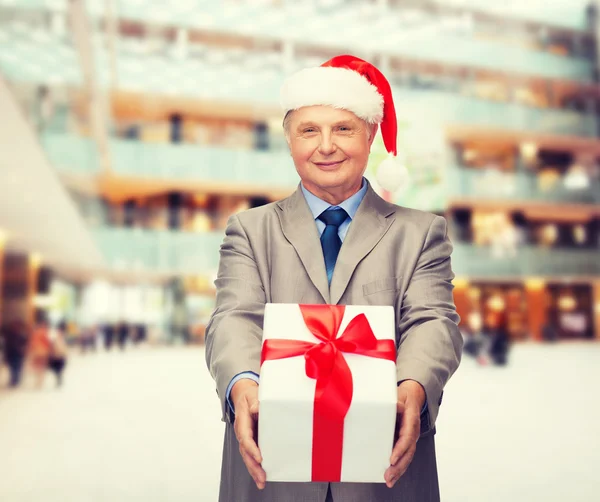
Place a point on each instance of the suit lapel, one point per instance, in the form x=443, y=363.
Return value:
x=371, y=222
x=299, y=228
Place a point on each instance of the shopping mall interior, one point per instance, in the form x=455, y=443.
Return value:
x=130, y=131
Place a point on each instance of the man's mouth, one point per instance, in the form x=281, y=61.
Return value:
x=325, y=165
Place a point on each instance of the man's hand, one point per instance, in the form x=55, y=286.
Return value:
x=244, y=396
x=411, y=398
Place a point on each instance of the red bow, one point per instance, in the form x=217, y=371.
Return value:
x=327, y=365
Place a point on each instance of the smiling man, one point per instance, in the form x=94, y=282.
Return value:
x=330, y=148
x=335, y=241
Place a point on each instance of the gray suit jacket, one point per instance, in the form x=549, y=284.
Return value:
x=391, y=256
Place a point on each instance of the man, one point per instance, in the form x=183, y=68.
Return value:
x=336, y=241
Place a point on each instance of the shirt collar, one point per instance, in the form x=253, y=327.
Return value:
x=350, y=205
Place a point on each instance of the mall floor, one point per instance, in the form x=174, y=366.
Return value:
x=144, y=425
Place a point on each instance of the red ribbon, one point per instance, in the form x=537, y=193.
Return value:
x=327, y=365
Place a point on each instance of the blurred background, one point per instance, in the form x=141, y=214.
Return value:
x=131, y=130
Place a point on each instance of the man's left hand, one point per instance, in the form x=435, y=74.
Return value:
x=411, y=398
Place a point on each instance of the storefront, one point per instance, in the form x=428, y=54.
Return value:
x=570, y=310
x=490, y=306
x=529, y=310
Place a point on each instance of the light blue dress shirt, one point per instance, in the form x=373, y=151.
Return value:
x=316, y=206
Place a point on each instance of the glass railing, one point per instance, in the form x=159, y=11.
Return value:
x=569, y=14
x=159, y=251
x=561, y=13
x=441, y=107
x=71, y=153
x=32, y=55
x=456, y=109
x=478, y=261
x=519, y=186
x=214, y=164
x=378, y=35
x=173, y=252
x=274, y=170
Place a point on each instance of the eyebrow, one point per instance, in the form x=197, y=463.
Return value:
x=341, y=122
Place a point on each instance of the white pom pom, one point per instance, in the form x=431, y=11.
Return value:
x=391, y=174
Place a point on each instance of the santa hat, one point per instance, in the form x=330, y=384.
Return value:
x=352, y=84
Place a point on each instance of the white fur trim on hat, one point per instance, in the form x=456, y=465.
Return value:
x=392, y=174
x=336, y=87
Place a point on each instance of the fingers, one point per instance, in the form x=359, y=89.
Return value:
x=245, y=426
x=395, y=472
x=254, y=468
x=410, y=424
x=404, y=449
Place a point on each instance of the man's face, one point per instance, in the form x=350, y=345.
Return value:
x=330, y=148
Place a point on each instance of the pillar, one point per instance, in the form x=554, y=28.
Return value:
x=596, y=311
x=19, y=276
x=535, y=290
x=34, y=263
x=2, y=245
x=461, y=299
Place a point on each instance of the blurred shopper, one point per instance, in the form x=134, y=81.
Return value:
x=139, y=335
x=472, y=343
x=88, y=340
x=549, y=332
x=496, y=341
x=72, y=332
x=108, y=330
x=499, y=345
x=286, y=252
x=473, y=336
x=123, y=334
x=39, y=352
x=57, y=359
x=15, y=350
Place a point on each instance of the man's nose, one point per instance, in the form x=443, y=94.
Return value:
x=327, y=145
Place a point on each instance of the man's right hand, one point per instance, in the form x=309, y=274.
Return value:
x=244, y=396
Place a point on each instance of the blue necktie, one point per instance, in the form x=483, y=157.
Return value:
x=330, y=240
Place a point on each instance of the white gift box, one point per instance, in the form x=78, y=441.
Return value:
x=287, y=397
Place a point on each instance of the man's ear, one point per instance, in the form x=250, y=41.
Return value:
x=373, y=128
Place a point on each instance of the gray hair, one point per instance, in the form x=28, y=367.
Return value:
x=286, y=121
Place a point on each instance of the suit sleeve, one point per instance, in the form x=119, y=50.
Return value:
x=430, y=344
x=234, y=332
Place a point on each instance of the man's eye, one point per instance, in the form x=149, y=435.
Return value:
x=310, y=129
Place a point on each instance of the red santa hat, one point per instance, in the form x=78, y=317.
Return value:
x=352, y=84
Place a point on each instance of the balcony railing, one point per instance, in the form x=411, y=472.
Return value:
x=563, y=13
x=173, y=252
x=275, y=171
x=75, y=154
x=214, y=164
x=476, y=261
x=160, y=251
x=519, y=186
x=34, y=55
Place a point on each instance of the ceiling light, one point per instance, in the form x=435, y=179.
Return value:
x=496, y=303
x=580, y=234
x=35, y=259
x=567, y=302
x=534, y=283
x=576, y=178
x=528, y=150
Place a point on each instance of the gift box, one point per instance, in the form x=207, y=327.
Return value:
x=327, y=392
